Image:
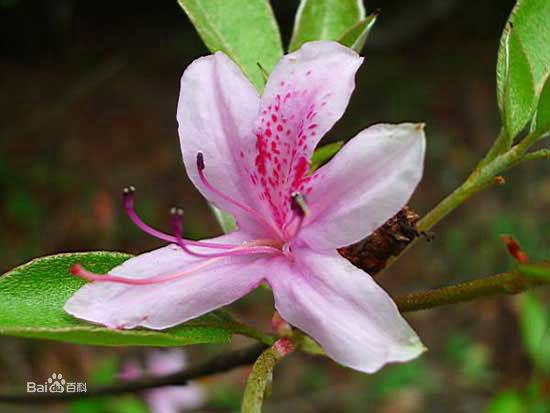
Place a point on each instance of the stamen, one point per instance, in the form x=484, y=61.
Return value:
x=201, y=166
x=128, y=202
x=79, y=271
x=177, y=228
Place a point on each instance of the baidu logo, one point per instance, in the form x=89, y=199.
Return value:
x=56, y=384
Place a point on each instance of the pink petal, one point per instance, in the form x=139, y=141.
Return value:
x=176, y=399
x=172, y=398
x=130, y=371
x=163, y=305
x=216, y=112
x=343, y=309
x=307, y=92
x=364, y=185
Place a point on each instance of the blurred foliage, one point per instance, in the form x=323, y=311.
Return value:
x=535, y=331
x=105, y=373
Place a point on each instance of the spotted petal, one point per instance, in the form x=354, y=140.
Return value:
x=307, y=92
x=343, y=309
x=165, y=304
x=365, y=184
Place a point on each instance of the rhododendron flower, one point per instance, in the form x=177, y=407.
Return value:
x=167, y=399
x=250, y=155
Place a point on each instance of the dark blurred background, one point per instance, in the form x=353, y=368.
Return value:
x=88, y=101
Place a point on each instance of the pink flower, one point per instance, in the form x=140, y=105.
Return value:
x=168, y=399
x=249, y=155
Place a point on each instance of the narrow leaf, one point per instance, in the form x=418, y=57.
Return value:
x=518, y=97
x=324, y=20
x=525, y=30
x=227, y=221
x=356, y=36
x=323, y=154
x=245, y=30
x=32, y=297
x=531, y=20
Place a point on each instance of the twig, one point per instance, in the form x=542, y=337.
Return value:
x=216, y=364
x=505, y=283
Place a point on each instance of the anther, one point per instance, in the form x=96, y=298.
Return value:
x=298, y=204
x=128, y=202
x=200, y=161
x=177, y=225
x=128, y=196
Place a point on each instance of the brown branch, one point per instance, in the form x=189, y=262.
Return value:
x=216, y=364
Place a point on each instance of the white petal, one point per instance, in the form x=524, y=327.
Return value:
x=365, y=184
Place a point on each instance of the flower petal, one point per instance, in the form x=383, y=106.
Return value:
x=307, y=92
x=217, y=109
x=168, y=303
x=365, y=184
x=344, y=310
x=175, y=399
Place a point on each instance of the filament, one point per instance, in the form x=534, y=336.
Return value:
x=177, y=228
x=128, y=202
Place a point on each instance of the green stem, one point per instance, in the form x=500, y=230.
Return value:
x=500, y=145
x=260, y=377
x=505, y=283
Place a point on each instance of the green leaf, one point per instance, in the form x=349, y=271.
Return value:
x=32, y=298
x=525, y=31
x=227, y=221
x=518, y=95
x=535, y=270
x=534, y=323
x=356, y=36
x=245, y=30
x=323, y=154
x=542, y=118
x=324, y=20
